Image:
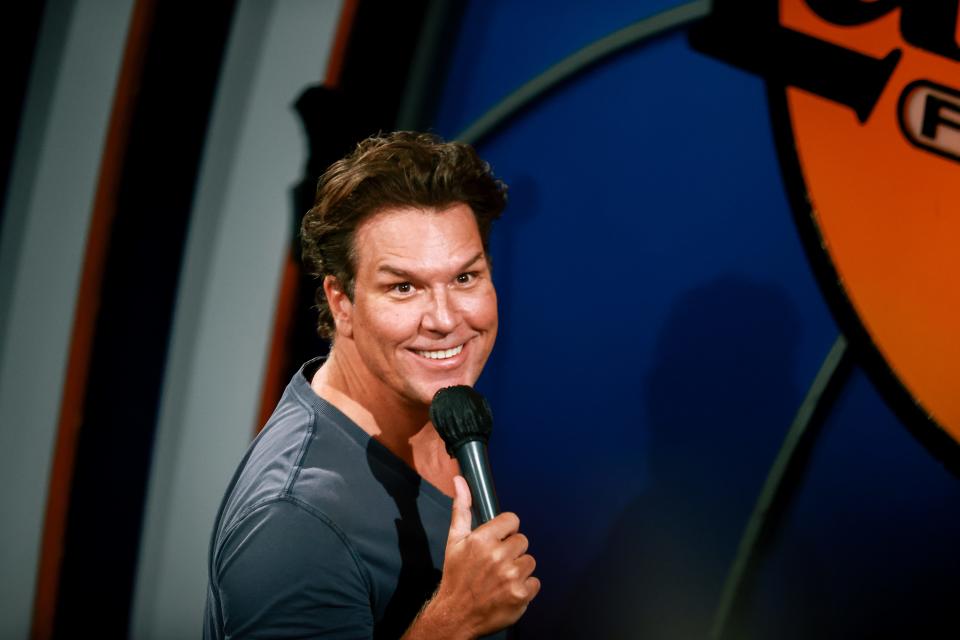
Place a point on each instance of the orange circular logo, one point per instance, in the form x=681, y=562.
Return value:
x=866, y=98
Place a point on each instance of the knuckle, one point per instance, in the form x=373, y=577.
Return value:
x=523, y=542
x=533, y=585
x=519, y=595
x=507, y=520
x=530, y=563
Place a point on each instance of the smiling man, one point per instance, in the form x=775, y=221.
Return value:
x=347, y=518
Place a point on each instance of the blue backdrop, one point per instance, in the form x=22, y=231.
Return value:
x=660, y=326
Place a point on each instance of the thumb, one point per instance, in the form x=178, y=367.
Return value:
x=461, y=520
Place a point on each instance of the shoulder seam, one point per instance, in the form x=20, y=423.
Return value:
x=311, y=432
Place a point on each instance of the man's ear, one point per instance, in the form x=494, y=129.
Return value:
x=341, y=308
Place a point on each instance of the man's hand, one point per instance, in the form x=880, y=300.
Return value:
x=487, y=578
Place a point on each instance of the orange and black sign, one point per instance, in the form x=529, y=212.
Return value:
x=865, y=102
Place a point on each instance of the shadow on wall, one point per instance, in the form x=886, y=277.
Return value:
x=719, y=399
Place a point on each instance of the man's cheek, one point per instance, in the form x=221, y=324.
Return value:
x=390, y=323
x=483, y=308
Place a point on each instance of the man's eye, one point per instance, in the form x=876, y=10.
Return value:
x=403, y=287
x=466, y=278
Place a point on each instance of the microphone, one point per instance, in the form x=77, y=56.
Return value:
x=462, y=418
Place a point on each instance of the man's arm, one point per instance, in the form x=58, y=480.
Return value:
x=286, y=572
x=487, y=578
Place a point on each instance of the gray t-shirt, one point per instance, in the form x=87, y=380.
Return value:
x=323, y=532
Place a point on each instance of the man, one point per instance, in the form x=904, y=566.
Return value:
x=339, y=522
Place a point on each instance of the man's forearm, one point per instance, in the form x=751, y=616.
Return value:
x=435, y=621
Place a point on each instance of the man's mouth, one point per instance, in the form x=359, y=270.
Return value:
x=441, y=354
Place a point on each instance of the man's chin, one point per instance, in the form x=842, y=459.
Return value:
x=424, y=394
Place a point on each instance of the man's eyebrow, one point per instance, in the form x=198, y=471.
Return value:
x=472, y=261
x=400, y=273
x=403, y=273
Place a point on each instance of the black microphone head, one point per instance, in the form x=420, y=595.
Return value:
x=460, y=414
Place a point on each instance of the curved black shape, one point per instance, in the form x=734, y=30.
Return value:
x=754, y=41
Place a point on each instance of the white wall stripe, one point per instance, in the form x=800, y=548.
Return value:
x=239, y=235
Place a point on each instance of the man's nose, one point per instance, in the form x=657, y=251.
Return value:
x=442, y=316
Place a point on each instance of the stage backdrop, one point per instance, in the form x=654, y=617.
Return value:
x=662, y=325
x=723, y=389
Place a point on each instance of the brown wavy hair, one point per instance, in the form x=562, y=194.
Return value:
x=400, y=169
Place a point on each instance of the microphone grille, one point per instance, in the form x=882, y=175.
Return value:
x=461, y=414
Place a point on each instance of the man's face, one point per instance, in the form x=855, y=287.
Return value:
x=424, y=311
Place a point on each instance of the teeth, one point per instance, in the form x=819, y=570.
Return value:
x=442, y=354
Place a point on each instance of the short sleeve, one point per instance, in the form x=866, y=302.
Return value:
x=285, y=571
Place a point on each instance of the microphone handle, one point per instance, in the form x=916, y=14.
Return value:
x=475, y=467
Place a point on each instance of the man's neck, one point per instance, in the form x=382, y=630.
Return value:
x=403, y=428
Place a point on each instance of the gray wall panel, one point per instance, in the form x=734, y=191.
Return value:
x=53, y=182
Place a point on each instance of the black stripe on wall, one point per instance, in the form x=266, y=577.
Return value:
x=122, y=397
x=19, y=30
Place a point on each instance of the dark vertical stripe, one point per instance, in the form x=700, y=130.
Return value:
x=342, y=37
x=121, y=397
x=84, y=320
x=19, y=28
x=429, y=67
x=280, y=360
